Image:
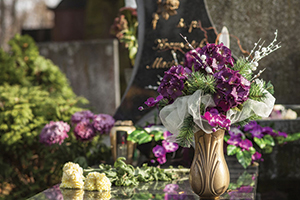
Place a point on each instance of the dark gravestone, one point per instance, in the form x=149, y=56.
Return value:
x=159, y=33
x=92, y=67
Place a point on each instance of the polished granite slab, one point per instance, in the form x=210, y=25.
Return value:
x=242, y=186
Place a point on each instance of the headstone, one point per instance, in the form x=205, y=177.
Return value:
x=249, y=22
x=160, y=24
x=92, y=68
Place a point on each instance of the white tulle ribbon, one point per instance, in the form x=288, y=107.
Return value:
x=173, y=115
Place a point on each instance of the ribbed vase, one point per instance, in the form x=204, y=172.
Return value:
x=209, y=174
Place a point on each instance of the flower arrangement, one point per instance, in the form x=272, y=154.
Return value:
x=211, y=91
x=125, y=29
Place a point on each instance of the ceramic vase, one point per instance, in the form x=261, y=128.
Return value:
x=209, y=174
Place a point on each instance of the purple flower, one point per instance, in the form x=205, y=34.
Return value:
x=269, y=131
x=171, y=188
x=246, y=189
x=103, y=123
x=256, y=156
x=246, y=144
x=216, y=56
x=162, y=159
x=234, y=141
x=250, y=126
x=152, y=102
x=216, y=119
x=54, y=133
x=167, y=134
x=172, y=84
x=54, y=193
x=232, y=89
x=84, y=131
x=159, y=151
x=282, y=134
x=257, y=132
x=79, y=116
x=169, y=146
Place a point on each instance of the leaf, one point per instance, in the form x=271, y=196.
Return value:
x=232, y=150
x=269, y=140
x=292, y=137
x=244, y=157
x=260, y=142
x=158, y=135
x=139, y=136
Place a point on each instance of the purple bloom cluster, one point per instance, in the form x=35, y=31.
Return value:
x=216, y=56
x=239, y=138
x=216, y=119
x=81, y=115
x=54, y=133
x=103, y=123
x=232, y=89
x=84, y=130
x=258, y=131
x=167, y=147
x=88, y=124
x=172, y=83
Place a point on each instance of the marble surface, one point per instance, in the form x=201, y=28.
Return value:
x=242, y=186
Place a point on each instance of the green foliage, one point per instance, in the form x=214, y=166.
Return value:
x=33, y=92
x=199, y=81
x=141, y=136
x=244, y=157
x=122, y=174
x=244, y=67
x=186, y=135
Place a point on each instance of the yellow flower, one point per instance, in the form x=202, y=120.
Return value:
x=97, y=181
x=72, y=176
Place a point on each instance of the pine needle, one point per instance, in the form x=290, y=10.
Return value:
x=186, y=136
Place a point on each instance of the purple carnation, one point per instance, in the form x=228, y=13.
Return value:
x=54, y=132
x=103, y=123
x=84, y=130
x=81, y=115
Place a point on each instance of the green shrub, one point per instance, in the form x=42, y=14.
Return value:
x=33, y=92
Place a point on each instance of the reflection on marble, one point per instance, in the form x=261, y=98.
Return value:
x=242, y=186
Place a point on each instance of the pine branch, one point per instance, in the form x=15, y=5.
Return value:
x=186, y=136
x=257, y=92
x=199, y=81
x=244, y=68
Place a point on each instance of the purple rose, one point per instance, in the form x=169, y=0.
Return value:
x=54, y=133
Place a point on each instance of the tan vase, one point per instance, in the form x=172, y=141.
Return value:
x=209, y=174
